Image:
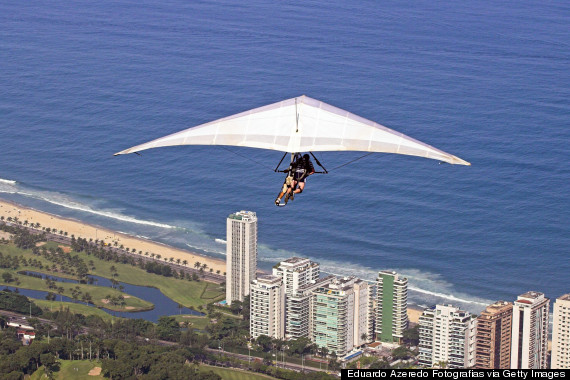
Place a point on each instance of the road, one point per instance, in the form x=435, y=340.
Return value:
x=287, y=365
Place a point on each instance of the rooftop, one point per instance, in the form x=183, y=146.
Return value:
x=498, y=306
x=532, y=295
x=244, y=215
x=565, y=297
x=268, y=279
x=297, y=263
x=394, y=274
x=323, y=280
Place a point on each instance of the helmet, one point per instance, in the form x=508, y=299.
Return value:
x=306, y=156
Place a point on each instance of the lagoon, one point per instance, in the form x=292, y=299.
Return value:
x=162, y=304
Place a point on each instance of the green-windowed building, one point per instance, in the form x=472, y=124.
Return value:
x=392, y=307
x=341, y=315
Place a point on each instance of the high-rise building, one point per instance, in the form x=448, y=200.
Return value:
x=529, y=337
x=341, y=315
x=561, y=334
x=493, y=340
x=391, y=306
x=447, y=335
x=241, y=254
x=267, y=307
x=296, y=272
x=298, y=315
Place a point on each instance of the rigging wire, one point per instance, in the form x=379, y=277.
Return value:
x=350, y=162
x=246, y=157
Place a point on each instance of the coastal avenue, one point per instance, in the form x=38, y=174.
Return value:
x=206, y=276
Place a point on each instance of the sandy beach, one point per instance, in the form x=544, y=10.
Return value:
x=414, y=314
x=87, y=231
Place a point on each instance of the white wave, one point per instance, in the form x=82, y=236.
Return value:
x=221, y=241
x=62, y=200
x=205, y=249
x=7, y=181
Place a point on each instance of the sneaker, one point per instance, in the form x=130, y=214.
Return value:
x=292, y=196
x=277, y=202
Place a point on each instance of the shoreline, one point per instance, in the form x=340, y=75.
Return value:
x=88, y=231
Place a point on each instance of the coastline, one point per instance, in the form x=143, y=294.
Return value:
x=88, y=231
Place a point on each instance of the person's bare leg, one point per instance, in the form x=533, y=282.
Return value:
x=300, y=188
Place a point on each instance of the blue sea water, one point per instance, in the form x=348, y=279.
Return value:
x=486, y=81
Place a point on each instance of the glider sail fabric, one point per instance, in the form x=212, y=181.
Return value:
x=300, y=124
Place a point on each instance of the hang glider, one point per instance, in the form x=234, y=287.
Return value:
x=300, y=124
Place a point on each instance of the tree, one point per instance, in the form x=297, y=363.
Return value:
x=264, y=342
x=168, y=329
x=236, y=307
x=411, y=336
x=50, y=363
x=401, y=353
x=7, y=277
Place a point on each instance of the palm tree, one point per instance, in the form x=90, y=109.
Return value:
x=184, y=262
x=178, y=261
x=197, y=264
x=204, y=266
x=171, y=259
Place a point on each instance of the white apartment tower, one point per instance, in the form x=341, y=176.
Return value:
x=529, y=339
x=296, y=272
x=447, y=335
x=267, y=307
x=391, y=307
x=241, y=254
x=341, y=315
x=561, y=334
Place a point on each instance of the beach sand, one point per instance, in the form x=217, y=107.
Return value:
x=414, y=314
x=87, y=231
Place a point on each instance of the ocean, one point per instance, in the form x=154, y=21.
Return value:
x=486, y=81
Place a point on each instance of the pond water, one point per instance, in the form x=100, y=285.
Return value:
x=162, y=304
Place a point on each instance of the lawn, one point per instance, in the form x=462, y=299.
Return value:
x=71, y=369
x=234, y=374
x=75, y=308
x=98, y=293
x=188, y=293
x=198, y=323
x=191, y=294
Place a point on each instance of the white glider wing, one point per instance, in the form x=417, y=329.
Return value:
x=300, y=124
